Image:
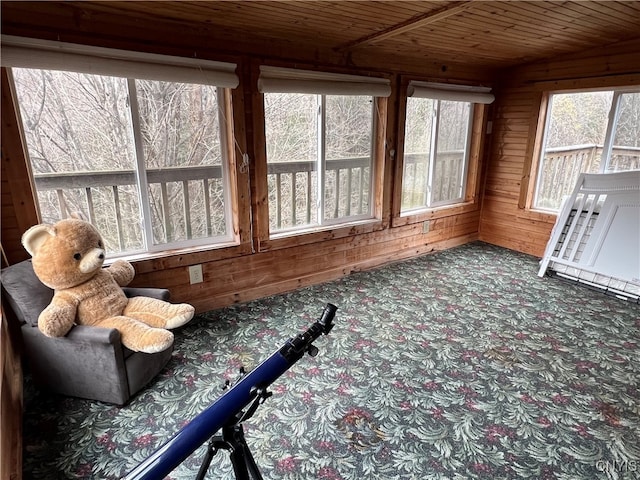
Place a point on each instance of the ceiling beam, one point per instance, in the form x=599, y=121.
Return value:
x=410, y=24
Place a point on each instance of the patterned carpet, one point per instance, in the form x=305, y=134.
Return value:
x=461, y=364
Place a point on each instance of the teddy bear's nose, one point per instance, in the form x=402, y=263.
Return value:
x=101, y=256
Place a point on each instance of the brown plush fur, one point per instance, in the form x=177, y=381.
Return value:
x=68, y=257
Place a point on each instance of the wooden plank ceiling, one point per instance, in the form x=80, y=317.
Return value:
x=489, y=34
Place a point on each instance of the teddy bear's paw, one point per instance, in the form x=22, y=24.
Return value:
x=53, y=329
x=56, y=321
x=154, y=340
x=122, y=272
x=183, y=312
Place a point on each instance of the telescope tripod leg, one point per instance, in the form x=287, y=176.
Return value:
x=232, y=439
x=244, y=465
x=215, y=444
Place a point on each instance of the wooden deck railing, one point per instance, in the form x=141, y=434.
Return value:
x=291, y=184
x=70, y=186
x=293, y=199
x=562, y=166
x=446, y=184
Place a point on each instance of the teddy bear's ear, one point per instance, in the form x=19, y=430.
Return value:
x=35, y=236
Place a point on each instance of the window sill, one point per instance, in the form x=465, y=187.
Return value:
x=182, y=257
x=537, y=215
x=319, y=234
x=433, y=213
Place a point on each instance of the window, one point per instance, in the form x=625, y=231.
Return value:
x=307, y=134
x=144, y=160
x=437, y=140
x=586, y=132
x=435, y=153
x=320, y=150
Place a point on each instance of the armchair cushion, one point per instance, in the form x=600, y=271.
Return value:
x=26, y=294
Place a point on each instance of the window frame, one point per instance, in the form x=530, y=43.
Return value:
x=471, y=201
x=534, y=169
x=429, y=204
x=143, y=184
x=237, y=239
x=320, y=183
x=264, y=240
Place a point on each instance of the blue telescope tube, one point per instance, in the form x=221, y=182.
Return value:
x=206, y=424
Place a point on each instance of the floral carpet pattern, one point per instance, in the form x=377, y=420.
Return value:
x=460, y=364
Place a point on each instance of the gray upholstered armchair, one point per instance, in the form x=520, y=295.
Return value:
x=89, y=362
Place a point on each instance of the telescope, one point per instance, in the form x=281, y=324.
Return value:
x=225, y=415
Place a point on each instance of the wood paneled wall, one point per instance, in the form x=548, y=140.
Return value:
x=18, y=204
x=241, y=279
x=11, y=404
x=517, y=126
x=244, y=273
x=503, y=222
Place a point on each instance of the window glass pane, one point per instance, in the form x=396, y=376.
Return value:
x=304, y=133
x=435, y=172
x=80, y=143
x=573, y=143
x=451, y=154
x=625, y=154
x=291, y=130
x=417, y=150
x=180, y=129
x=348, y=137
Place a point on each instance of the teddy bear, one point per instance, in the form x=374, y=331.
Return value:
x=68, y=257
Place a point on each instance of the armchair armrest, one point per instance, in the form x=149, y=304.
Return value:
x=79, y=337
x=88, y=362
x=97, y=335
x=159, y=293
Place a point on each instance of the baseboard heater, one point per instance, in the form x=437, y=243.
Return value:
x=596, y=238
